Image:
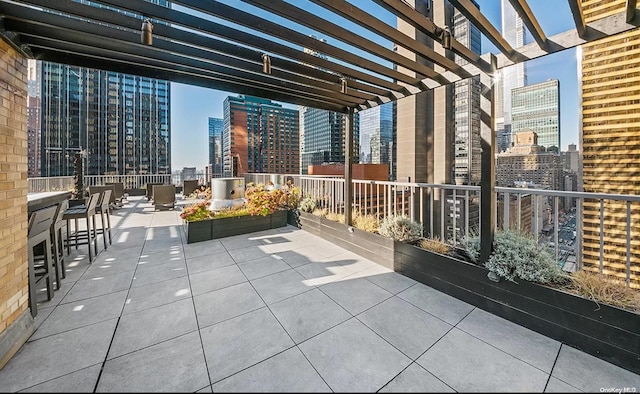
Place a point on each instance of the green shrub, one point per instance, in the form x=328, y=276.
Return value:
x=517, y=256
x=471, y=245
x=308, y=204
x=400, y=228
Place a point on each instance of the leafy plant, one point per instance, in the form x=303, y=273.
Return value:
x=604, y=289
x=435, y=245
x=230, y=213
x=400, y=228
x=471, y=245
x=264, y=200
x=308, y=204
x=517, y=256
x=201, y=192
x=197, y=212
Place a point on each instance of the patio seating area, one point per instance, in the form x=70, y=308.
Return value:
x=278, y=310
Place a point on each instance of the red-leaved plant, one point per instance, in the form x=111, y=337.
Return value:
x=264, y=200
x=196, y=212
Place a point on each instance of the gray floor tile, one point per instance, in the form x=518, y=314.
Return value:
x=146, y=275
x=152, y=326
x=162, y=245
x=392, y=282
x=43, y=314
x=467, y=364
x=291, y=257
x=152, y=259
x=82, y=313
x=175, y=365
x=223, y=304
x=536, y=349
x=589, y=373
x=204, y=248
x=209, y=262
x=277, y=287
x=308, y=314
x=257, y=268
x=82, y=381
x=88, y=288
x=51, y=357
x=441, y=305
x=415, y=379
x=419, y=329
x=238, y=343
x=351, y=261
x=58, y=295
x=244, y=241
x=288, y=371
x=205, y=390
x=216, y=279
x=156, y=294
x=355, y=295
x=248, y=253
x=351, y=357
x=110, y=266
x=318, y=274
x=558, y=386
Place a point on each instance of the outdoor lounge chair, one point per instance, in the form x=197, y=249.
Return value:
x=100, y=189
x=118, y=194
x=188, y=187
x=149, y=193
x=164, y=196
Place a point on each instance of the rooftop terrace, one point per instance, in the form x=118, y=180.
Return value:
x=279, y=310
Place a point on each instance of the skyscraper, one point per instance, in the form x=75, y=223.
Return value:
x=537, y=107
x=216, y=127
x=376, y=128
x=466, y=109
x=610, y=146
x=260, y=136
x=122, y=121
x=324, y=137
x=513, y=30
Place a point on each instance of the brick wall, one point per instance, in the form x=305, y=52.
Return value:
x=14, y=288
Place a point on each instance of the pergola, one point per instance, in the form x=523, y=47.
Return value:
x=242, y=52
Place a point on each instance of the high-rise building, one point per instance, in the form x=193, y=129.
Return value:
x=216, y=127
x=259, y=136
x=33, y=119
x=466, y=109
x=610, y=147
x=324, y=137
x=527, y=163
x=571, y=159
x=537, y=107
x=514, y=32
x=121, y=121
x=376, y=128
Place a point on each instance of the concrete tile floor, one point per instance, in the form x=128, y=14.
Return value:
x=278, y=310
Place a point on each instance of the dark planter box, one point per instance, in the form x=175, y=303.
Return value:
x=607, y=332
x=206, y=230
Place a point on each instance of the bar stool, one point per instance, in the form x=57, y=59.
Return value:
x=39, y=232
x=104, y=208
x=58, y=237
x=88, y=213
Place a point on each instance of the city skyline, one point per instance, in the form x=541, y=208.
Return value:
x=192, y=106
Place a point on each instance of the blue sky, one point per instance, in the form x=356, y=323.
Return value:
x=191, y=106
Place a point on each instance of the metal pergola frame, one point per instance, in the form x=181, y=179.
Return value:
x=230, y=56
